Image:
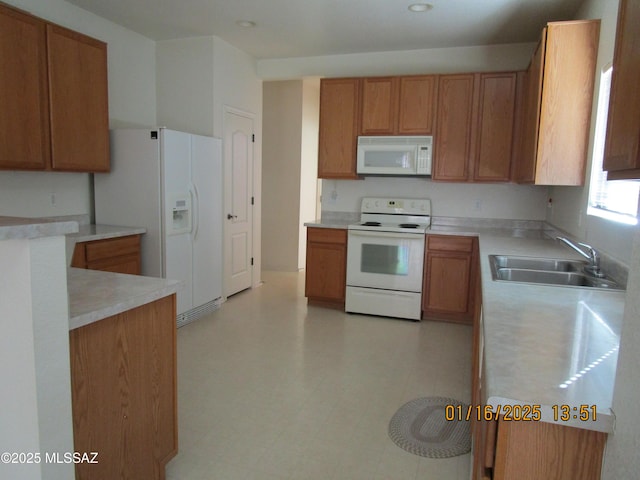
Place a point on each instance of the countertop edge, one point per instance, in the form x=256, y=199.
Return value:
x=604, y=422
x=19, y=228
x=122, y=292
x=90, y=233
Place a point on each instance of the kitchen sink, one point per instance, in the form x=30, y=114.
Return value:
x=547, y=271
x=535, y=263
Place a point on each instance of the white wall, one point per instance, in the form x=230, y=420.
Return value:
x=184, y=76
x=437, y=60
x=34, y=356
x=521, y=202
x=309, y=162
x=621, y=456
x=132, y=101
x=281, y=180
x=570, y=203
x=290, y=168
x=236, y=84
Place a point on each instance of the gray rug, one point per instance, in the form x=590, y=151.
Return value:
x=420, y=427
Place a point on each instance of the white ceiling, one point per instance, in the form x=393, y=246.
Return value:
x=301, y=28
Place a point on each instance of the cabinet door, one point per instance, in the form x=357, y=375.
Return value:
x=551, y=451
x=526, y=166
x=622, y=148
x=448, y=285
x=448, y=289
x=379, y=106
x=118, y=255
x=24, y=115
x=326, y=268
x=78, y=101
x=338, y=135
x=567, y=97
x=123, y=387
x=417, y=104
x=495, y=126
x=453, y=128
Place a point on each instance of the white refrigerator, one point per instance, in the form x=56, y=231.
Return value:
x=170, y=183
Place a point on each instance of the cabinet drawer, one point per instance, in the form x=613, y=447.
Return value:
x=327, y=235
x=450, y=243
x=103, y=249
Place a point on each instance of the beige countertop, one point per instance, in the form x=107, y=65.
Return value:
x=548, y=345
x=14, y=228
x=95, y=295
x=89, y=233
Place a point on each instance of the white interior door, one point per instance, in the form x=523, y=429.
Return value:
x=238, y=215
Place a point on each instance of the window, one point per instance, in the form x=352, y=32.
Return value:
x=614, y=200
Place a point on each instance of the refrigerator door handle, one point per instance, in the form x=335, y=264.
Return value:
x=195, y=208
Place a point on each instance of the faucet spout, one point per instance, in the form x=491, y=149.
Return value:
x=590, y=254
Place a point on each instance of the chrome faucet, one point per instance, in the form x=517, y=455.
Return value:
x=591, y=254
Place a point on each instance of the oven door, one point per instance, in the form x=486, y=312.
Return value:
x=385, y=260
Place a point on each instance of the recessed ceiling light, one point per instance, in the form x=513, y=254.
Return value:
x=420, y=7
x=246, y=23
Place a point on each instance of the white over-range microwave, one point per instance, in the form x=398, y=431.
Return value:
x=394, y=155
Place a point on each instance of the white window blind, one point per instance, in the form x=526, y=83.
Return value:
x=615, y=200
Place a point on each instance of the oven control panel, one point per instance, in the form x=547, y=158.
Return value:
x=402, y=206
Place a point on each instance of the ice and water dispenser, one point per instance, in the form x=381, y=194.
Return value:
x=179, y=210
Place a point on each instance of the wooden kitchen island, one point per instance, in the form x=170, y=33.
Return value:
x=122, y=345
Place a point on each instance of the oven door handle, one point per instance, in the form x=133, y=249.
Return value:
x=403, y=236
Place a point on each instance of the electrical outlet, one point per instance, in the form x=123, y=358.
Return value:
x=53, y=199
x=477, y=206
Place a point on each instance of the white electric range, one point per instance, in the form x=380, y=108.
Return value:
x=385, y=257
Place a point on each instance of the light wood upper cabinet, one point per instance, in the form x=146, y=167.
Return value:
x=79, y=101
x=379, y=106
x=454, y=117
x=560, y=84
x=339, y=124
x=622, y=147
x=398, y=105
x=53, y=92
x=24, y=116
x=495, y=127
x=417, y=104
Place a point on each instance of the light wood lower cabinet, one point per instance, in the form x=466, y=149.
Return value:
x=450, y=267
x=326, y=267
x=123, y=387
x=119, y=255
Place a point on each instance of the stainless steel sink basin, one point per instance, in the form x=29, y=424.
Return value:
x=537, y=263
x=548, y=271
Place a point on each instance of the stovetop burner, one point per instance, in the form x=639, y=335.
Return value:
x=411, y=216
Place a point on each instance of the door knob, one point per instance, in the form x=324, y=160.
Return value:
x=229, y=216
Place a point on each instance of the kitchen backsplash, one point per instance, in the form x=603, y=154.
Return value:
x=473, y=200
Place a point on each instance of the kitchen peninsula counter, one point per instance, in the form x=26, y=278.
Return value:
x=91, y=232
x=95, y=295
